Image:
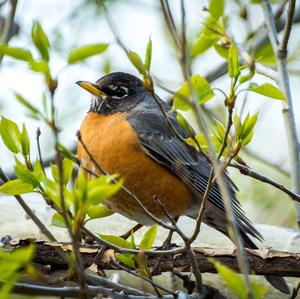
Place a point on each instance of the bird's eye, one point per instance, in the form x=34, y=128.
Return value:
x=120, y=92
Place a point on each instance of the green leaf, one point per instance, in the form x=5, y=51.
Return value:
x=126, y=259
x=148, y=238
x=38, y=171
x=238, y=126
x=58, y=220
x=268, y=90
x=236, y=282
x=148, y=56
x=17, y=53
x=116, y=241
x=25, y=142
x=16, y=187
x=25, y=103
x=40, y=66
x=99, y=190
x=200, y=87
x=136, y=60
x=26, y=175
x=54, y=172
x=84, y=52
x=216, y=8
x=99, y=211
x=233, y=62
x=183, y=122
x=233, y=281
x=202, y=44
x=67, y=165
x=40, y=40
x=221, y=50
x=11, y=135
x=249, y=125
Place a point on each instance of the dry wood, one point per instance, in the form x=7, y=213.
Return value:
x=262, y=262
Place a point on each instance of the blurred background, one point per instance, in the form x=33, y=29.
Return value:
x=70, y=24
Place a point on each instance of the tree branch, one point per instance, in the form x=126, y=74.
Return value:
x=262, y=262
x=280, y=50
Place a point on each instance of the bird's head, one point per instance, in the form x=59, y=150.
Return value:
x=115, y=92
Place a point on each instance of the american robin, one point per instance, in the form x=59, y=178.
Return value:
x=127, y=134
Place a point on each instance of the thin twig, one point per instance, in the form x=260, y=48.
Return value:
x=121, y=267
x=197, y=111
x=64, y=212
x=123, y=188
x=249, y=172
x=104, y=282
x=280, y=50
x=9, y=22
x=38, y=134
x=44, y=230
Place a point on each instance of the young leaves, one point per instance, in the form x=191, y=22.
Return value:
x=11, y=135
x=40, y=40
x=84, y=52
x=148, y=56
x=216, y=8
x=136, y=60
x=268, y=90
x=149, y=238
x=236, y=283
x=16, y=187
x=243, y=131
x=233, y=62
x=201, y=88
x=17, y=53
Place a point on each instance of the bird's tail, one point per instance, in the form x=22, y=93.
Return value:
x=276, y=281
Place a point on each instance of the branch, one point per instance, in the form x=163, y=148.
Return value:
x=9, y=22
x=222, y=69
x=280, y=50
x=262, y=262
x=28, y=211
x=249, y=172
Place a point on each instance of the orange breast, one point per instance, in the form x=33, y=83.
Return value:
x=115, y=146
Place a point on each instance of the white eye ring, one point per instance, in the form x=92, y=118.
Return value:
x=121, y=87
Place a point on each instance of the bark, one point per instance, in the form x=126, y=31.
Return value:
x=261, y=262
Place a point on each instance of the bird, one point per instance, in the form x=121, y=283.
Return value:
x=127, y=134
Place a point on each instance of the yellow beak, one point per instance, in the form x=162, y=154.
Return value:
x=91, y=88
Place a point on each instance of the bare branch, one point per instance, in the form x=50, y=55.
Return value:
x=280, y=50
x=249, y=172
x=44, y=230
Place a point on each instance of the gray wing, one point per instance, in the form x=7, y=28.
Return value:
x=159, y=142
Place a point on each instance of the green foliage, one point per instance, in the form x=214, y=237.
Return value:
x=17, y=53
x=236, y=282
x=84, y=52
x=216, y=8
x=148, y=56
x=11, y=263
x=98, y=211
x=233, y=62
x=24, y=174
x=200, y=87
x=136, y=60
x=16, y=187
x=222, y=50
x=40, y=40
x=244, y=130
x=268, y=90
x=148, y=238
x=118, y=241
x=34, y=110
x=10, y=134
x=58, y=220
